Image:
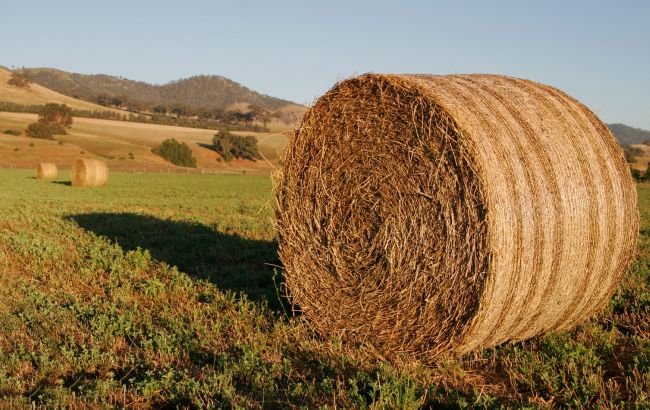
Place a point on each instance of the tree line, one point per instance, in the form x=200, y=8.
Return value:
x=246, y=119
x=204, y=123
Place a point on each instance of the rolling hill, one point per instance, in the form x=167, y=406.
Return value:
x=628, y=135
x=201, y=91
x=114, y=140
x=123, y=145
x=36, y=94
x=126, y=146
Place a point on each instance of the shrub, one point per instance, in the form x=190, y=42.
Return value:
x=178, y=153
x=636, y=174
x=12, y=132
x=231, y=146
x=41, y=130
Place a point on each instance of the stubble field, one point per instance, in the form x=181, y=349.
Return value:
x=126, y=146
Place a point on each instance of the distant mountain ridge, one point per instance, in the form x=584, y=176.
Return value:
x=201, y=91
x=629, y=135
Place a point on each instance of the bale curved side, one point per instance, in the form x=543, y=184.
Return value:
x=89, y=172
x=46, y=170
x=439, y=215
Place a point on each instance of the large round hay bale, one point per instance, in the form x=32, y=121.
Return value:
x=46, y=170
x=438, y=215
x=89, y=172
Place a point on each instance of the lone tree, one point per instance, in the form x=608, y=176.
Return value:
x=178, y=153
x=19, y=80
x=53, y=119
x=231, y=146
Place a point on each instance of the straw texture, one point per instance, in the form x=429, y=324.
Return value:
x=438, y=215
x=89, y=172
x=46, y=170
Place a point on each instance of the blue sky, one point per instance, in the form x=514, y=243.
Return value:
x=597, y=51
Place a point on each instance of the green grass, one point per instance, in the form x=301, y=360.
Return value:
x=161, y=290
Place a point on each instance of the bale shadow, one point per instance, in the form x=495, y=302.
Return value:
x=227, y=260
x=66, y=183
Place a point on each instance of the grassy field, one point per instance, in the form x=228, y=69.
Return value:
x=163, y=290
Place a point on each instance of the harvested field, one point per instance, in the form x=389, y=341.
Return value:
x=127, y=146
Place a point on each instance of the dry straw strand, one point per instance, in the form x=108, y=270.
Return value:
x=46, y=170
x=438, y=215
x=89, y=172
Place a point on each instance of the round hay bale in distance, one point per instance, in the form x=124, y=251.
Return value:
x=46, y=170
x=89, y=172
x=438, y=215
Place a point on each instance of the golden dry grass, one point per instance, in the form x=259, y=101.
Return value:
x=116, y=142
x=124, y=145
x=641, y=162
